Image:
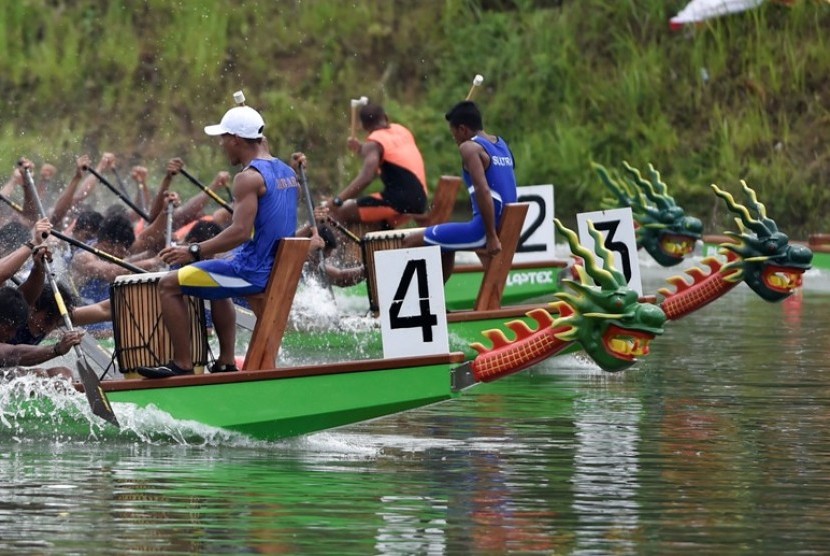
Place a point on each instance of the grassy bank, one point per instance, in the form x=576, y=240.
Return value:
x=744, y=97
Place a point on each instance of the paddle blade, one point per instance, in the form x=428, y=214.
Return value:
x=95, y=394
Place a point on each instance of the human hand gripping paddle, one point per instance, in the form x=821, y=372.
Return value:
x=92, y=386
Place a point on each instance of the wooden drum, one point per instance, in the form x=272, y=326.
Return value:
x=349, y=252
x=141, y=339
x=371, y=244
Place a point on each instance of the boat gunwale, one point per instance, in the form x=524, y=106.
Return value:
x=206, y=379
x=530, y=265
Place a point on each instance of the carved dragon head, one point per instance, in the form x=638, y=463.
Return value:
x=612, y=326
x=766, y=260
x=663, y=229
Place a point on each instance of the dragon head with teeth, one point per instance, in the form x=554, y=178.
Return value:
x=663, y=228
x=609, y=321
x=765, y=259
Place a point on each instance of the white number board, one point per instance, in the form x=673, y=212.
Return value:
x=617, y=227
x=536, y=242
x=413, y=315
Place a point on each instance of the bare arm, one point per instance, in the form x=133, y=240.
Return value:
x=247, y=188
x=65, y=201
x=372, y=153
x=152, y=237
x=23, y=354
x=174, y=165
x=12, y=262
x=474, y=159
x=195, y=206
x=85, y=266
x=88, y=186
x=33, y=285
x=90, y=314
x=15, y=180
x=345, y=277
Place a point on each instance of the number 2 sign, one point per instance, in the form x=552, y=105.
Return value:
x=413, y=315
x=617, y=227
x=536, y=242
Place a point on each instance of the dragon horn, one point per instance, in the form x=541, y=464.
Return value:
x=739, y=209
x=601, y=276
x=618, y=189
x=759, y=207
x=648, y=187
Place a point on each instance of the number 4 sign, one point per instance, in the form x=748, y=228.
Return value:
x=413, y=316
x=617, y=227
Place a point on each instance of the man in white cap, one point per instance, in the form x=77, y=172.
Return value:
x=265, y=196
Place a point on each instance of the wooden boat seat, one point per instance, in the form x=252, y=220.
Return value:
x=273, y=305
x=496, y=268
x=443, y=201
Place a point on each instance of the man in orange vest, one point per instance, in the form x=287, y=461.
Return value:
x=389, y=151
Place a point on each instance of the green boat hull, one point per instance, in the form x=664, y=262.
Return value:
x=276, y=404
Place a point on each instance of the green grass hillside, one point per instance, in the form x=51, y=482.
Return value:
x=566, y=83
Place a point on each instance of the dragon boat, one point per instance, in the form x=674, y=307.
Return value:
x=759, y=255
x=267, y=402
x=598, y=313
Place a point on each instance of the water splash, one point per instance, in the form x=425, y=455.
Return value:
x=37, y=409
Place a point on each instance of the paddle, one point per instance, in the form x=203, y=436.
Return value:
x=91, y=347
x=92, y=385
x=208, y=191
x=168, y=235
x=477, y=81
x=120, y=195
x=347, y=232
x=313, y=223
x=11, y=203
x=119, y=180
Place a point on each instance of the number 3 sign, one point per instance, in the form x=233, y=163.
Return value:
x=617, y=227
x=413, y=316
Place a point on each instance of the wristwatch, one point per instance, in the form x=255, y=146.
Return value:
x=195, y=251
x=337, y=201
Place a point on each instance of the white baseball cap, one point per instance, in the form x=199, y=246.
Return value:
x=242, y=121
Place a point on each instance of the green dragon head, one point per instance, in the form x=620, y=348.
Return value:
x=766, y=261
x=612, y=326
x=663, y=229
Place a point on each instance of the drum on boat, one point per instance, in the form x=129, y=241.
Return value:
x=141, y=339
x=371, y=244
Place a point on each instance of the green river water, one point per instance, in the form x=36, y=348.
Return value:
x=717, y=443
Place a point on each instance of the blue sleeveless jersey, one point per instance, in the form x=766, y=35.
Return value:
x=499, y=174
x=276, y=218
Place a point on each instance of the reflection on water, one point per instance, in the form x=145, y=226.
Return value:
x=716, y=443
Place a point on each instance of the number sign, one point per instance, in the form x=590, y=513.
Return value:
x=617, y=227
x=413, y=316
x=536, y=242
